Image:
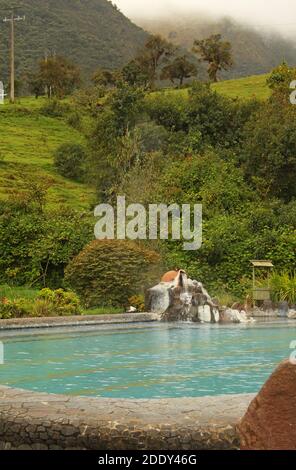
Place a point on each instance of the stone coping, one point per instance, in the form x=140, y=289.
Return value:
x=47, y=322
x=33, y=420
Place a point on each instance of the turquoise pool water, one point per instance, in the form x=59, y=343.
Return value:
x=147, y=361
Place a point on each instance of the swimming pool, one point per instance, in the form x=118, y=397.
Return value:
x=146, y=361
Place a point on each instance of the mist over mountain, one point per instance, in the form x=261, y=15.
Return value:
x=254, y=52
x=92, y=33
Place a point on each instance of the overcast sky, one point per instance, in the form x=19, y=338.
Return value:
x=278, y=14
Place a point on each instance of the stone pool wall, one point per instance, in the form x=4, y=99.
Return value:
x=57, y=322
x=30, y=420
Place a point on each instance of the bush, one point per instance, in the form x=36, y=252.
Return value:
x=283, y=286
x=137, y=301
x=57, y=302
x=14, y=308
x=36, y=247
x=69, y=161
x=109, y=272
x=74, y=120
x=54, y=108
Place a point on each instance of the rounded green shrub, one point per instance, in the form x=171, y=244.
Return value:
x=109, y=272
x=69, y=161
x=56, y=303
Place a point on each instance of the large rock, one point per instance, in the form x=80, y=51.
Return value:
x=270, y=421
x=231, y=315
x=292, y=314
x=177, y=298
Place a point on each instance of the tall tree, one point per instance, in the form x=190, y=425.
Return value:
x=180, y=69
x=156, y=51
x=59, y=76
x=216, y=52
x=133, y=74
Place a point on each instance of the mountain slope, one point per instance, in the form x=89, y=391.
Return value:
x=254, y=53
x=92, y=33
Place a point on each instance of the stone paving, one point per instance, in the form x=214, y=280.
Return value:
x=30, y=420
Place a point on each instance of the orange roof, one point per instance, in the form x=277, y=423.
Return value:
x=169, y=276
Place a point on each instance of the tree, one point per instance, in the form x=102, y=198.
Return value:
x=216, y=52
x=105, y=77
x=36, y=85
x=69, y=161
x=59, y=76
x=268, y=149
x=180, y=69
x=156, y=50
x=133, y=74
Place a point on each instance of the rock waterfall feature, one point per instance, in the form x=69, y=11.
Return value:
x=178, y=298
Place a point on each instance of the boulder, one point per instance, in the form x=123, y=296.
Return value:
x=292, y=314
x=270, y=421
x=235, y=316
x=178, y=298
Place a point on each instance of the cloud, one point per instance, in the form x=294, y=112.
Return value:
x=275, y=14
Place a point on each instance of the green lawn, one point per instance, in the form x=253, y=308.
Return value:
x=243, y=88
x=28, y=140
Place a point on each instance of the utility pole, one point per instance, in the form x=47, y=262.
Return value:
x=12, y=20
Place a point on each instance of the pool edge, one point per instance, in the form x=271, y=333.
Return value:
x=37, y=420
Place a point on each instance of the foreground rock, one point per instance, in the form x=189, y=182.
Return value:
x=270, y=422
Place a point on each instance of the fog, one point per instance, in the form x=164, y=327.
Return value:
x=278, y=15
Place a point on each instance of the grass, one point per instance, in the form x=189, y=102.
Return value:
x=242, y=88
x=14, y=293
x=103, y=311
x=28, y=140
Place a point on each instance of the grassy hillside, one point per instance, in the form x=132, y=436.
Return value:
x=242, y=88
x=253, y=52
x=28, y=140
x=245, y=88
x=92, y=33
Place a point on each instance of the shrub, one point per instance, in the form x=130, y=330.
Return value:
x=283, y=286
x=109, y=272
x=138, y=302
x=58, y=302
x=42, y=308
x=69, y=161
x=54, y=108
x=36, y=247
x=14, y=308
x=74, y=120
